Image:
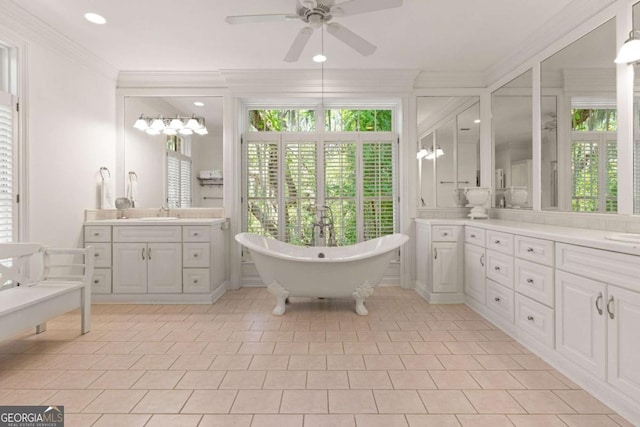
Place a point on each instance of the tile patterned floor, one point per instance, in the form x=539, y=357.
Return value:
x=233, y=364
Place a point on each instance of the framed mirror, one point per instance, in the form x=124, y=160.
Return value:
x=579, y=124
x=512, y=133
x=448, y=149
x=179, y=169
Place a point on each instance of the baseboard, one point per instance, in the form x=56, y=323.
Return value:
x=432, y=298
x=219, y=291
x=151, y=298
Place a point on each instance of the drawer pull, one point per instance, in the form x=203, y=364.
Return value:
x=143, y=253
x=96, y=255
x=599, y=299
x=529, y=250
x=149, y=254
x=473, y=236
x=196, y=234
x=496, y=268
x=96, y=234
x=530, y=318
x=611, y=315
x=195, y=281
x=482, y=260
x=435, y=253
x=530, y=281
x=445, y=234
x=497, y=242
x=96, y=281
x=497, y=299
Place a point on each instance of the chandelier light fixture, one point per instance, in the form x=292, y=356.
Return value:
x=156, y=125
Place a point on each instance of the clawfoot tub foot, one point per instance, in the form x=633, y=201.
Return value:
x=360, y=295
x=282, y=296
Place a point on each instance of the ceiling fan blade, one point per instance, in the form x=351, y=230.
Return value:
x=353, y=7
x=298, y=44
x=251, y=19
x=351, y=39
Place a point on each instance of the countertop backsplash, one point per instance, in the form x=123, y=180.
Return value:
x=103, y=214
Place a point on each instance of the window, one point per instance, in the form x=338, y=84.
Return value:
x=178, y=172
x=594, y=161
x=290, y=175
x=8, y=205
x=346, y=120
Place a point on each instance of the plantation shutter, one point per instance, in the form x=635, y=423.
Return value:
x=185, y=183
x=611, y=157
x=300, y=190
x=8, y=204
x=341, y=188
x=584, y=176
x=377, y=189
x=173, y=180
x=263, y=187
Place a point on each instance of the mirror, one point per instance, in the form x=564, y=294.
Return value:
x=448, y=148
x=512, y=133
x=578, y=107
x=178, y=170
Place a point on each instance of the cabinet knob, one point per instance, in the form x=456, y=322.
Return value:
x=497, y=242
x=96, y=254
x=529, y=249
x=96, y=234
x=445, y=234
x=195, y=281
x=530, y=318
x=497, y=299
x=96, y=281
x=473, y=236
x=196, y=234
x=530, y=281
x=195, y=255
x=496, y=268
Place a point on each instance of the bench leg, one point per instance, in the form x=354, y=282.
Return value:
x=41, y=327
x=85, y=310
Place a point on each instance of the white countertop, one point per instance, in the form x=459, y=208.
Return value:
x=142, y=221
x=575, y=236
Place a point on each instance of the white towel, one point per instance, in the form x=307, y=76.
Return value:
x=132, y=189
x=107, y=200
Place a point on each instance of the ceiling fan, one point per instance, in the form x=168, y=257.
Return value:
x=316, y=13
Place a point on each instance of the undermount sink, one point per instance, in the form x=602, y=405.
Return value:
x=158, y=218
x=624, y=237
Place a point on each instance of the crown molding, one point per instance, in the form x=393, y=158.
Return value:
x=171, y=79
x=568, y=19
x=33, y=30
x=304, y=81
x=430, y=80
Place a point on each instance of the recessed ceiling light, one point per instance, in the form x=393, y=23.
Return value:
x=198, y=104
x=319, y=58
x=476, y=121
x=95, y=18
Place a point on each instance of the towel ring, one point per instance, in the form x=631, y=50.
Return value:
x=102, y=169
x=132, y=174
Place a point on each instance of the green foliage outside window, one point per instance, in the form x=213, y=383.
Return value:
x=358, y=120
x=282, y=120
x=594, y=120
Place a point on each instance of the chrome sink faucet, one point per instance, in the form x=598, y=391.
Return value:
x=163, y=209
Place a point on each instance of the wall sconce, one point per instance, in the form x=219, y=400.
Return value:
x=427, y=153
x=171, y=125
x=630, y=50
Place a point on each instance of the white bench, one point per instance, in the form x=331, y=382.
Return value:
x=63, y=285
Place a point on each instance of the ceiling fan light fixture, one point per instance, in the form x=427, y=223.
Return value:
x=319, y=58
x=309, y=4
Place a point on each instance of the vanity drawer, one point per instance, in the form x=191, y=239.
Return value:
x=535, y=319
x=101, y=254
x=97, y=233
x=500, y=268
x=500, y=300
x=101, y=282
x=195, y=280
x=605, y=266
x=196, y=255
x=445, y=233
x=147, y=233
x=499, y=241
x=536, y=250
x=474, y=235
x=196, y=233
x=535, y=281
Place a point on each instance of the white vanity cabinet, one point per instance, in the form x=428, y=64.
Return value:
x=439, y=261
x=180, y=261
x=147, y=259
x=474, y=264
x=598, y=314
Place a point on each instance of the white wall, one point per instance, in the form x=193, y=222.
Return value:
x=70, y=135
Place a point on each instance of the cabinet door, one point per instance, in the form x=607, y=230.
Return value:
x=445, y=267
x=164, y=270
x=624, y=345
x=581, y=321
x=422, y=251
x=474, y=275
x=129, y=268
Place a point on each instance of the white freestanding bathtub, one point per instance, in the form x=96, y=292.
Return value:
x=320, y=271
